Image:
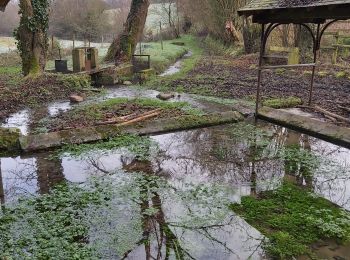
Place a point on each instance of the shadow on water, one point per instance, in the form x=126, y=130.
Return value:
x=174, y=204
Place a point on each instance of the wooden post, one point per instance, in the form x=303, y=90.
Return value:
x=316, y=48
x=178, y=17
x=262, y=51
x=336, y=50
x=140, y=48
x=52, y=45
x=73, y=40
x=160, y=35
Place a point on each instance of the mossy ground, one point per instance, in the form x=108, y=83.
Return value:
x=287, y=102
x=293, y=219
x=96, y=113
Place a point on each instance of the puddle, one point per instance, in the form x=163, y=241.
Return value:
x=56, y=108
x=18, y=120
x=176, y=67
x=218, y=163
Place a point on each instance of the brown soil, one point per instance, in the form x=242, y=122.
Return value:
x=17, y=93
x=237, y=78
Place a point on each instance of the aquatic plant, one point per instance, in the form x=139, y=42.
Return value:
x=293, y=219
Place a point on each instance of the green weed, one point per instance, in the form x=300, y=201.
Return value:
x=293, y=219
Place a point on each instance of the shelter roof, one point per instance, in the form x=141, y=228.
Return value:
x=296, y=11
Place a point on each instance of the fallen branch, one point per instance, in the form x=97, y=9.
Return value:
x=139, y=119
x=327, y=114
x=131, y=118
x=345, y=108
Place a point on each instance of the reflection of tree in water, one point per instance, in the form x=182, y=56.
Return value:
x=154, y=223
x=49, y=172
x=156, y=198
x=25, y=175
x=298, y=168
x=2, y=192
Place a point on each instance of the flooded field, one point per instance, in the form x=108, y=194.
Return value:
x=167, y=196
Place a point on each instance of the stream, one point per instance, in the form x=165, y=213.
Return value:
x=174, y=202
x=217, y=163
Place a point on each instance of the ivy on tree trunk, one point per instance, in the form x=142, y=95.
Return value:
x=31, y=35
x=123, y=47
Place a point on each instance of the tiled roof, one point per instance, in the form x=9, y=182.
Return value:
x=278, y=4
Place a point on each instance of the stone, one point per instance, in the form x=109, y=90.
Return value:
x=127, y=83
x=9, y=139
x=76, y=98
x=323, y=130
x=165, y=96
x=37, y=142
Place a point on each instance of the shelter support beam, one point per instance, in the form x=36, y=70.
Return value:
x=316, y=37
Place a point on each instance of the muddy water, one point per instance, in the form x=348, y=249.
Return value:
x=219, y=163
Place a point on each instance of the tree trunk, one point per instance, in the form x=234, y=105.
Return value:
x=251, y=36
x=32, y=36
x=123, y=47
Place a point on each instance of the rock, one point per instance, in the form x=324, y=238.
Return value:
x=165, y=96
x=76, y=99
x=9, y=139
x=127, y=83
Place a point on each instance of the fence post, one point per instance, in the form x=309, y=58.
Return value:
x=160, y=34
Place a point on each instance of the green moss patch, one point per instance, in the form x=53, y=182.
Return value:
x=293, y=219
x=283, y=102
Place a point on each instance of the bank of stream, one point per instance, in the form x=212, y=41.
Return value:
x=166, y=195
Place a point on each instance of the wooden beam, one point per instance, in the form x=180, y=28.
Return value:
x=288, y=66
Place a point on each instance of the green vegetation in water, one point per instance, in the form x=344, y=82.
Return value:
x=293, y=219
x=283, y=102
x=137, y=145
x=48, y=227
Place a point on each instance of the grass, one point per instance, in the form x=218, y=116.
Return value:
x=191, y=43
x=293, y=219
x=283, y=102
x=91, y=114
x=161, y=59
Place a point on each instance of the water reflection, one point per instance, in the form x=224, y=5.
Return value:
x=175, y=206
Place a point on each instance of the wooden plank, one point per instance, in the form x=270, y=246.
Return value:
x=288, y=66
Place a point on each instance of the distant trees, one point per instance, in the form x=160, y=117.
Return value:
x=82, y=17
x=124, y=45
x=9, y=20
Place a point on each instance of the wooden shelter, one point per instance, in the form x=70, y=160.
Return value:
x=3, y=4
x=272, y=13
